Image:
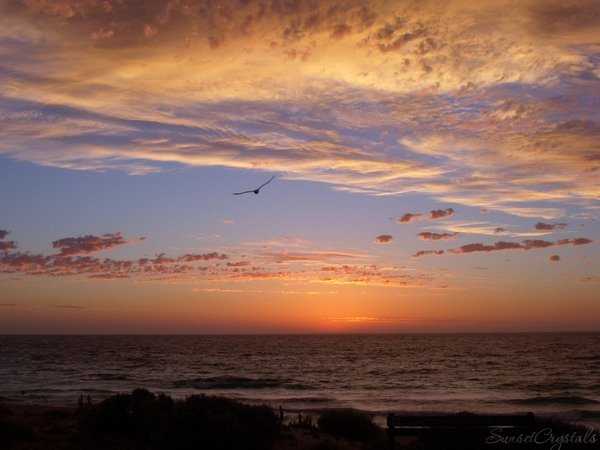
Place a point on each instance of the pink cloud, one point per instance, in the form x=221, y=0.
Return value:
x=88, y=244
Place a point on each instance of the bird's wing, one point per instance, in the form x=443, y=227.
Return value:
x=244, y=192
x=266, y=182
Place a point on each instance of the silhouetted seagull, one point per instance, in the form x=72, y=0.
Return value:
x=257, y=190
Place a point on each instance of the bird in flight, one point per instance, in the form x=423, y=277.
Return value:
x=257, y=190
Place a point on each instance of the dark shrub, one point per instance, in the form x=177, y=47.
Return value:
x=349, y=424
x=197, y=422
x=12, y=431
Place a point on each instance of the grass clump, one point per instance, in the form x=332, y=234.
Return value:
x=348, y=424
x=157, y=421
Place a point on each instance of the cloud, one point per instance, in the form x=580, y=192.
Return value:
x=409, y=217
x=528, y=244
x=472, y=104
x=193, y=257
x=488, y=229
x=428, y=252
x=384, y=239
x=433, y=215
x=470, y=248
x=550, y=226
x=431, y=236
x=370, y=274
x=342, y=267
x=439, y=213
x=282, y=257
x=281, y=241
x=88, y=244
x=554, y=258
x=238, y=264
x=7, y=245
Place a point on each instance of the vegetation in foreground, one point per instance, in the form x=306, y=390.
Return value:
x=145, y=421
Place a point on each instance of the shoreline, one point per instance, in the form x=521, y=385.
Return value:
x=573, y=413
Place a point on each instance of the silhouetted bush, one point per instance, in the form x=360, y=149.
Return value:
x=12, y=431
x=195, y=423
x=349, y=424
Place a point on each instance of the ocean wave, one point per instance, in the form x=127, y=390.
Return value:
x=555, y=386
x=110, y=376
x=233, y=382
x=586, y=358
x=563, y=400
x=290, y=400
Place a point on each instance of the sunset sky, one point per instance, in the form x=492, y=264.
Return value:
x=437, y=168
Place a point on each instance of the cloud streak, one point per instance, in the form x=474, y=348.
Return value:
x=528, y=244
x=550, y=226
x=431, y=236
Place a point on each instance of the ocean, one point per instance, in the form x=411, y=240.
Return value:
x=557, y=374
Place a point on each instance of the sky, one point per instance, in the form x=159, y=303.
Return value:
x=436, y=168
